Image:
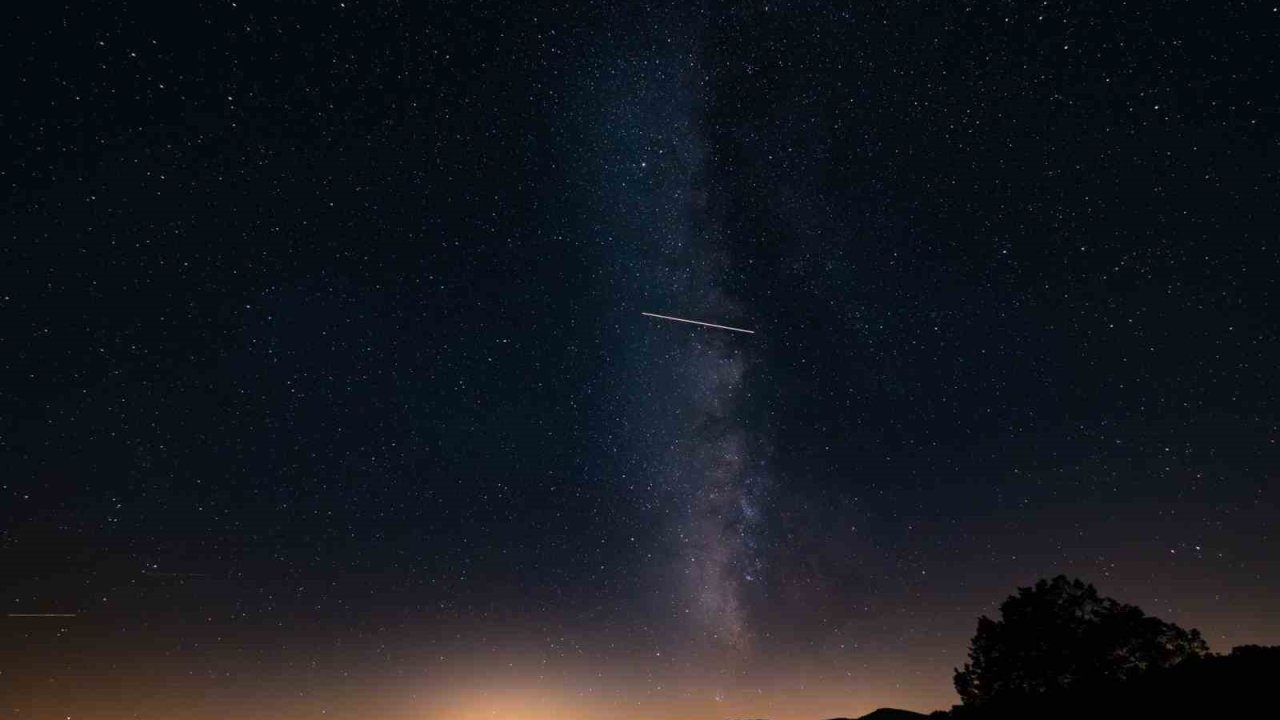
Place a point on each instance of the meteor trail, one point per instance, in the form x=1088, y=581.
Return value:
x=696, y=322
x=42, y=614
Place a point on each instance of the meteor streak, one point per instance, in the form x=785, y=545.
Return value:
x=42, y=614
x=696, y=322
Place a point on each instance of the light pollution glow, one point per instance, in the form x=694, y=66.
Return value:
x=500, y=691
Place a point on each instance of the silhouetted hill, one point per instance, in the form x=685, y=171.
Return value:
x=892, y=714
x=889, y=714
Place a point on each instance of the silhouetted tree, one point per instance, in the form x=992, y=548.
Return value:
x=1060, y=634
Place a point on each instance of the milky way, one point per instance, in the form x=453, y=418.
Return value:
x=327, y=390
x=721, y=527
x=669, y=249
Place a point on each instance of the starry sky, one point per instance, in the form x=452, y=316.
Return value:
x=327, y=393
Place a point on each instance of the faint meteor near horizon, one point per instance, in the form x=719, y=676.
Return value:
x=42, y=615
x=698, y=322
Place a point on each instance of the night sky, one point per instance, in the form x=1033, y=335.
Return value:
x=325, y=390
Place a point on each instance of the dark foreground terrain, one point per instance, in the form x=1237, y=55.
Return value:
x=1217, y=686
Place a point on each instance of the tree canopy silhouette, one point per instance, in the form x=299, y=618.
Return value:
x=1061, y=634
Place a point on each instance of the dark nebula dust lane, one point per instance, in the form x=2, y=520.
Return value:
x=651, y=361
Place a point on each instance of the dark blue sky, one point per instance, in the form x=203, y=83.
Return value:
x=325, y=378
